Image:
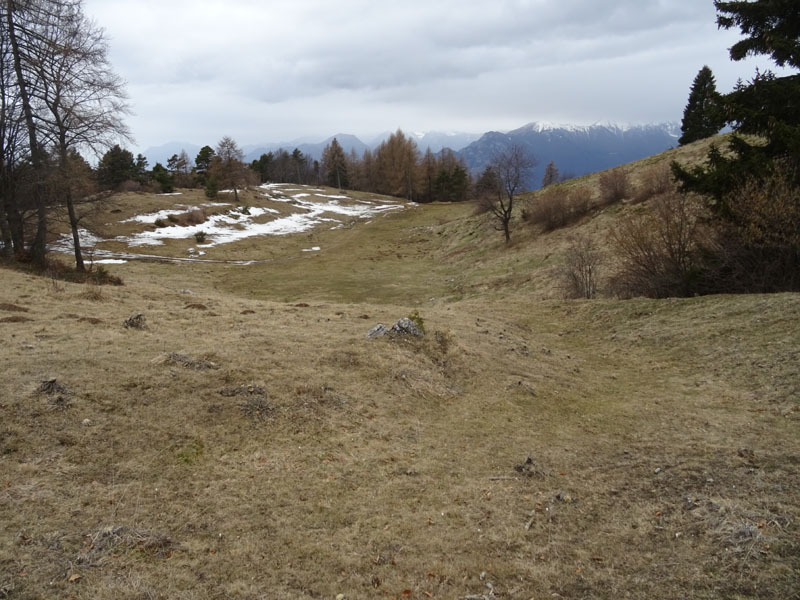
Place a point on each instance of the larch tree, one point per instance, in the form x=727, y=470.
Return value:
x=334, y=165
x=396, y=163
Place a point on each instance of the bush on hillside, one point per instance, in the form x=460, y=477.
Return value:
x=614, y=186
x=557, y=207
x=758, y=248
x=579, y=273
x=659, y=251
x=654, y=181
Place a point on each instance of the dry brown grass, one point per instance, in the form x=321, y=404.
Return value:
x=662, y=435
x=313, y=462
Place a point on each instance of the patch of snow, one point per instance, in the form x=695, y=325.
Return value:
x=233, y=226
x=329, y=196
x=296, y=196
x=110, y=261
x=312, y=249
x=163, y=214
x=171, y=194
x=64, y=242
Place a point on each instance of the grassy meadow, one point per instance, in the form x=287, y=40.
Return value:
x=249, y=442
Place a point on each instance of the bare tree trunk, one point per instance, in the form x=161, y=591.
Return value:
x=76, y=238
x=5, y=232
x=13, y=236
x=38, y=247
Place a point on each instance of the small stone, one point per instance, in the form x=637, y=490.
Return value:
x=86, y=422
x=135, y=322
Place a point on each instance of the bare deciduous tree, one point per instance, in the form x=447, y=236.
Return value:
x=227, y=165
x=68, y=96
x=510, y=167
x=84, y=100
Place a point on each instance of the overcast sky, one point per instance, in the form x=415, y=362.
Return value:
x=278, y=70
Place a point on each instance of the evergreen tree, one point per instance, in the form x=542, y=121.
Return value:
x=772, y=27
x=550, y=174
x=163, y=178
x=767, y=107
x=702, y=116
x=737, y=182
x=299, y=162
x=141, y=168
x=487, y=185
x=116, y=166
x=263, y=166
x=212, y=187
x=203, y=160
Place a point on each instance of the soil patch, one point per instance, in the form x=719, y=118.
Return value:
x=15, y=319
x=12, y=307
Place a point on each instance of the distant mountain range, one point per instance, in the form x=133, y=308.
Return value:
x=576, y=150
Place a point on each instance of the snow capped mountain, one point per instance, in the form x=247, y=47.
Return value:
x=575, y=149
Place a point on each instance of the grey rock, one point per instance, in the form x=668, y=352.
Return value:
x=407, y=327
x=378, y=331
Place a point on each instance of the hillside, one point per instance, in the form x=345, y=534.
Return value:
x=250, y=442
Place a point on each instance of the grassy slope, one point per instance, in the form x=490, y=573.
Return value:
x=663, y=434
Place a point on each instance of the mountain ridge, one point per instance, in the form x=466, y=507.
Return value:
x=576, y=149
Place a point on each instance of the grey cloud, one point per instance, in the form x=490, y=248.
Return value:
x=291, y=67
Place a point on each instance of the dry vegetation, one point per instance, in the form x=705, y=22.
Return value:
x=246, y=441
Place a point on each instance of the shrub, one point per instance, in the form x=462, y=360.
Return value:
x=212, y=187
x=195, y=217
x=129, y=185
x=418, y=320
x=159, y=223
x=614, y=186
x=659, y=251
x=757, y=248
x=656, y=180
x=557, y=207
x=200, y=236
x=579, y=273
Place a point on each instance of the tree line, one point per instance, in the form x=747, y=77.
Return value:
x=395, y=168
